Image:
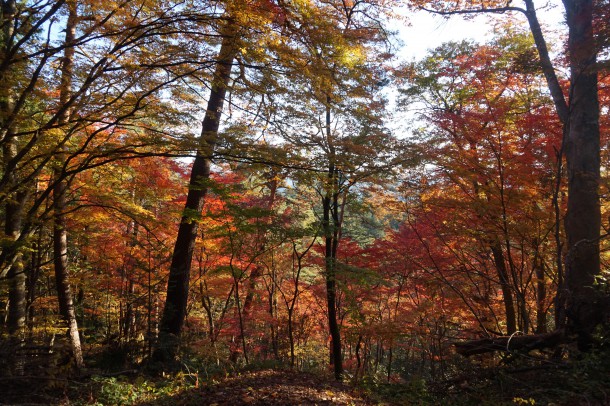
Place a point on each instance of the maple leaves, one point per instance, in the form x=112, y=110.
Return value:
x=306, y=204
x=496, y=159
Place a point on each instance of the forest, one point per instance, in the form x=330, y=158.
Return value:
x=263, y=202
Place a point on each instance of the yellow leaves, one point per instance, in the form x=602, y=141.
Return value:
x=303, y=7
x=352, y=56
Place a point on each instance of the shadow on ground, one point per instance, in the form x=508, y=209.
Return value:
x=267, y=387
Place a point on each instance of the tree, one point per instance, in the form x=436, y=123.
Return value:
x=580, y=117
x=60, y=234
x=483, y=108
x=104, y=103
x=338, y=72
x=174, y=311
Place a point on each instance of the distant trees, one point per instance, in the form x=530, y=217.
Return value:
x=491, y=141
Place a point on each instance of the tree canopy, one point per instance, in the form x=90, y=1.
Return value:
x=232, y=183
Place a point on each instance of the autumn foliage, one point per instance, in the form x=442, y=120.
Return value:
x=323, y=235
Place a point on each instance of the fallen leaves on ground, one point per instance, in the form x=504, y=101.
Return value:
x=272, y=387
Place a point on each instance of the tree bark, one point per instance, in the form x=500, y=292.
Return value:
x=507, y=295
x=60, y=234
x=16, y=274
x=331, y=238
x=541, y=326
x=583, y=219
x=14, y=202
x=509, y=344
x=174, y=312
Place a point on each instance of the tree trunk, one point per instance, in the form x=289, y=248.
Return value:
x=129, y=321
x=14, y=205
x=582, y=148
x=174, y=312
x=291, y=337
x=331, y=237
x=33, y=274
x=60, y=234
x=509, y=307
x=16, y=274
x=541, y=326
x=583, y=219
x=274, y=330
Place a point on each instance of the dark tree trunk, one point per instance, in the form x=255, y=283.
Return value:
x=174, y=312
x=62, y=282
x=358, y=359
x=583, y=219
x=295, y=295
x=273, y=327
x=207, y=306
x=291, y=336
x=507, y=295
x=580, y=117
x=33, y=275
x=16, y=274
x=541, y=326
x=330, y=222
x=129, y=321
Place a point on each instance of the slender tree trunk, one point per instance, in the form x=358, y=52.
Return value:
x=241, y=338
x=390, y=357
x=16, y=274
x=128, y=317
x=291, y=336
x=205, y=303
x=129, y=322
x=358, y=359
x=32, y=278
x=149, y=311
x=507, y=295
x=14, y=206
x=560, y=295
x=331, y=234
x=540, y=297
x=245, y=310
x=174, y=312
x=295, y=296
x=499, y=261
x=64, y=293
x=274, y=325
x=60, y=235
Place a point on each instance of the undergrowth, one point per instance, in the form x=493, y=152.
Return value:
x=519, y=380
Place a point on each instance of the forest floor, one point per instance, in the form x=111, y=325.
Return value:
x=523, y=382
x=270, y=387
x=263, y=387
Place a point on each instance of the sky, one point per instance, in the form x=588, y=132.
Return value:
x=427, y=31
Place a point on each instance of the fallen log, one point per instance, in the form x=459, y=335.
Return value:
x=523, y=343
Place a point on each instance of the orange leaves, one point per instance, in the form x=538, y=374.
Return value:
x=485, y=214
